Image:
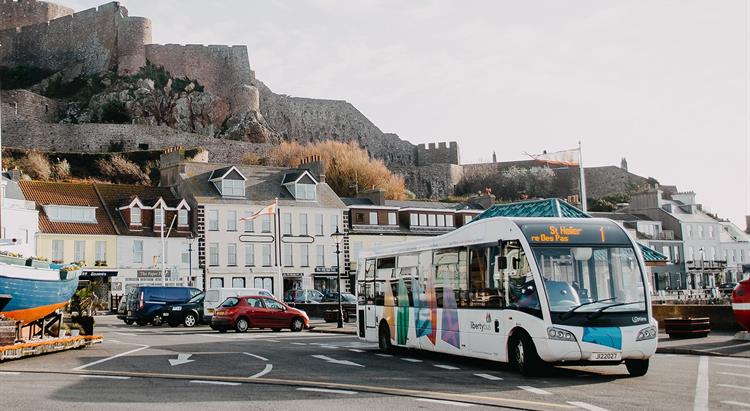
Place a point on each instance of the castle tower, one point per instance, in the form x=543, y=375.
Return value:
x=624, y=164
x=494, y=157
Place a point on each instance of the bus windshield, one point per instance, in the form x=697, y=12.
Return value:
x=589, y=279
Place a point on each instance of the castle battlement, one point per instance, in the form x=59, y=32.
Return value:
x=442, y=153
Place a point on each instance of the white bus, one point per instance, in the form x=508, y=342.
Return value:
x=530, y=291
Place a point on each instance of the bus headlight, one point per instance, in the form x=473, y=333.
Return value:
x=560, y=334
x=647, y=333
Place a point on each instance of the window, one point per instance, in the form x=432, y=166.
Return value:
x=186, y=253
x=232, y=254
x=213, y=220
x=216, y=282
x=320, y=255
x=233, y=188
x=249, y=223
x=303, y=224
x=304, y=255
x=57, y=250
x=413, y=219
x=700, y=231
x=266, y=255
x=318, y=224
x=158, y=216
x=467, y=219
x=79, y=250
x=373, y=218
x=485, y=288
x=137, y=251
x=522, y=288
x=710, y=232
x=101, y=251
x=304, y=191
x=450, y=271
x=266, y=224
x=423, y=219
x=335, y=223
x=286, y=223
x=71, y=214
x=273, y=304
x=689, y=231
x=182, y=217
x=359, y=218
x=265, y=283
x=135, y=216
x=449, y=221
x=238, y=282
x=231, y=220
x=690, y=253
x=391, y=218
x=249, y=255
x=287, y=257
x=431, y=220
x=213, y=254
x=441, y=220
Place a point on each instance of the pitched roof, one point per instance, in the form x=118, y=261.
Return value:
x=71, y=194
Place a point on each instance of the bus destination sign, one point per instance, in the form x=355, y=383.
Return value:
x=574, y=233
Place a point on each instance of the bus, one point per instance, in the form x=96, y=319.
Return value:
x=533, y=292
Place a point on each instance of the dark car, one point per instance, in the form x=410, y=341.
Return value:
x=189, y=314
x=727, y=288
x=146, y=303
x=346, y=298
x=243, y=313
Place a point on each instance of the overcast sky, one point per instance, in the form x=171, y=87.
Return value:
x=662, y=83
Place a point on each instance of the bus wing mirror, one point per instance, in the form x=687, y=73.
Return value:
x=502, y=262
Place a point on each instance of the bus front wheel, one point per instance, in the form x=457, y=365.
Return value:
x=384, y=338
x=523, y=355
x=637, y=368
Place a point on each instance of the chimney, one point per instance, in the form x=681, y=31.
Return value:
x=747, y=224
x=316, y=167
x=376, y=195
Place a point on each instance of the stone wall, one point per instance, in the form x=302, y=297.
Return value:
x=19, y=13
x=98, y=39
x=28, y=105
x=433, y=181
x=437, y=155
x=601, y=181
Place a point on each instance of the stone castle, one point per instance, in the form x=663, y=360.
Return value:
x=49, y=36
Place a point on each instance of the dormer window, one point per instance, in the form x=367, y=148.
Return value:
x=304, y=191
x=182, y=218
x=233, y=188
x=301, y=185
x=229, y=181
x=158, y=216
x=71, y=214
x=135, y=216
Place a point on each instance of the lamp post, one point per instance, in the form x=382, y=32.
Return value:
x=337, y=237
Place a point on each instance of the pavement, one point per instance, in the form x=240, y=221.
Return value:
x=167, y=368
x=717, y=343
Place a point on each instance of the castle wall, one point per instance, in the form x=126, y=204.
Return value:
x=439, y=154
x=433, y=181
x=90, y=37
x=28, y=105
x=19, y=13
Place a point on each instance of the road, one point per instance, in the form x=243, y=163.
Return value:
x=169, y=368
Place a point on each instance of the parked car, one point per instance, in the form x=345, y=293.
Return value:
x=189, y=314
x=122, y=310
x=215, y=296
x=726, y=288
x=245, y=312
x=303, y=296
x=346, y=298
x=147, y=302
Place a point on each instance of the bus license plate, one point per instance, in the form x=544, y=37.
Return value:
x=605, y=356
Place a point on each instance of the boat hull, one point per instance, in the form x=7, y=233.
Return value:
x=34, y=298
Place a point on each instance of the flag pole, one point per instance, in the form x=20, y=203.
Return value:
x=584, y=206
x=277, y=228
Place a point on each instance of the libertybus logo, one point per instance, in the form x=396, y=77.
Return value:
x=481, y=327
x=637, y=320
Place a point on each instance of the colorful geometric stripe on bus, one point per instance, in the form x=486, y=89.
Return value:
x=402, y=313
x=606, y=336
x=389, y=314
x=450, y=328
x=432, y=303
x=422, y=323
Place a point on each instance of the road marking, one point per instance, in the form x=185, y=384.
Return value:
x=586, y=406
x=215, y=382
x=298, y=343
x=356, y=350
x=128, y=335
x=111, y=377
x=733, y=365
x=445, y=402
x=728, y=347
x=737, y=403
x=384, y=355
x=734, y=374
x=265, y=371
x=736, y=387
x=411, y=359
x=534, y=390
x=335, y=361
x=446, y=367
x=326, y=390
x=181, y=359
x=10, y=373
x=489, y=377
x=143, y=347
x=701, y=386
x=114, y=341
x=270, y=340
x=330, y=347
x=256, y=356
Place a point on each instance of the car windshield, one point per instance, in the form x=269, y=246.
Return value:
x=589, y=278
x=230, y=302
x=197, y=299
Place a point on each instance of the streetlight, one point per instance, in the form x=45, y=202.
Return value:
x=337, y=237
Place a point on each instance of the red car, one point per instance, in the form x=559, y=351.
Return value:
x=242, y=313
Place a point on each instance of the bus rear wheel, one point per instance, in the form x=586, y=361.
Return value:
x=384, y=338
x=637, y=368
x=523, y=355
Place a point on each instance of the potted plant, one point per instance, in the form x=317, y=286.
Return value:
x=84, y=301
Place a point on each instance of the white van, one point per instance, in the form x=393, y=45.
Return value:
x=216, y=296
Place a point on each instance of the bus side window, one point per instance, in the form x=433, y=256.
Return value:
x=383, y=275
x=485, y=285
x=369, y=291
x=522, y=292
x=451, y=271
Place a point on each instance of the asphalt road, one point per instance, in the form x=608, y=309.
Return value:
x=170, y=368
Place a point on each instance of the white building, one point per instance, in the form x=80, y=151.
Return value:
x=735, y=247
x=20, y=219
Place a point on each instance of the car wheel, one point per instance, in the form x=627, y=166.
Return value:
x=276, y=329
x=384, y=338
x=297, y=324
x=523, y=355
x=129, y=322
x=190, y=320
x=157, y=321
x=637, y=368
x=242, y=325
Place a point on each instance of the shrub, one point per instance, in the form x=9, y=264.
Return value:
x=348, y=167
x=510, y=184
x=252, y=159
x=18, y=77
x=120, y=170
x=36, y=165
x=61, y=170
x=115, y=112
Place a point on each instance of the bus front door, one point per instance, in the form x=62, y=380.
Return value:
x=366, y=313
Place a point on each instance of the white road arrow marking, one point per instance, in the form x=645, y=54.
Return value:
x=181, y=359
x=334, y=361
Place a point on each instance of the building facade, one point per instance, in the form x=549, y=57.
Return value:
x=20, y=219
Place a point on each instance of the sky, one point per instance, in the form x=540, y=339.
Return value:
x=664, y=84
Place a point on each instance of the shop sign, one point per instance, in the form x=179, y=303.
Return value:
x=291, y=275
x=88, y=275
x=331, y=270
x=152, y=273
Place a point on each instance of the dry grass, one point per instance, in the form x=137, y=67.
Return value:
x=62, y=171
x=252, y=159
x=36, y=165
x=347, y=165
x=120, y=170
